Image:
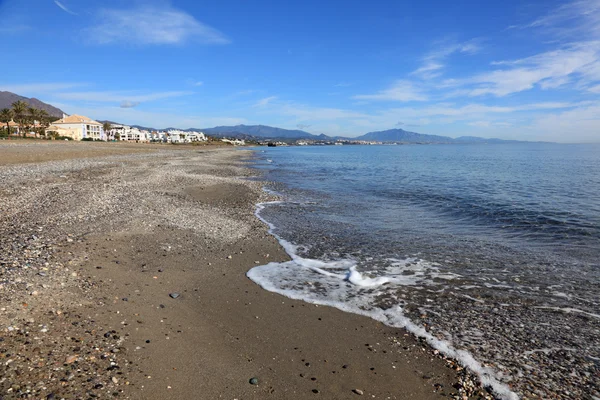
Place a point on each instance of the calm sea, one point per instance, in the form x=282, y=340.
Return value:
x=491, y=253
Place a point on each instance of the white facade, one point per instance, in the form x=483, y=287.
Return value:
x=178, y=136
x=78, y=127
x=235, y=142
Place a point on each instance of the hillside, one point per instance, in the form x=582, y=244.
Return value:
x=400, y=135
x=7, y=98
x=260, y=131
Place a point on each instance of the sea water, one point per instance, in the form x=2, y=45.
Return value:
x=491, y=253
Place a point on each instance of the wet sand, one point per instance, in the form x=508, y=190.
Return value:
x=97, y=240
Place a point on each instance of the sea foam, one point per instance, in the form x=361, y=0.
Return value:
x=340, y=284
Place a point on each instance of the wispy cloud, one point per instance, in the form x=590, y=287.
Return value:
x=401, y=90
x=265, y=101
x=129, y=104
x=550, y=70
x=151, y=25
x=14, y=28
x=434, y=61
x=571, y=20
x=33, y=88
x=120, y=97
x=64, y=8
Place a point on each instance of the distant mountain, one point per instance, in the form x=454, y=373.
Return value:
x=262, y=131
x=7, y=98
x=400, y=135
x=259, y=132
x=475, y=139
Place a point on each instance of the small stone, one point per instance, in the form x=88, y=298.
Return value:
x=315, y=391
x=174, y=295
x=70, y=359
x=358, y=392
x=229, y=257
x=114, y=379
x=253, y=381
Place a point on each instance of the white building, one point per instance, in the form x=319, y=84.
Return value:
x=235, y=142
x=77, y=127
x=179, y=136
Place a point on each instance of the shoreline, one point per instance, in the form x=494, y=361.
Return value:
x=120, y=234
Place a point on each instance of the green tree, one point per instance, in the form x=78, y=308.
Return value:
x=35, y=115
x=45, y=120
x=107, y=127
x=6, y=116
x=19, y=109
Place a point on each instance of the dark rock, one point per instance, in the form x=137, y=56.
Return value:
x=253, y=381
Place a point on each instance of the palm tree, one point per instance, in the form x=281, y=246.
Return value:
x=19, y=109
x=34, y=116
x=107, y=127
x=44, y=121
x=6, y=115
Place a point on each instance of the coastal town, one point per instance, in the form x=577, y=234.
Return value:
x=25, y=121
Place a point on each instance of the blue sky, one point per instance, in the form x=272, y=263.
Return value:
x=510, y=69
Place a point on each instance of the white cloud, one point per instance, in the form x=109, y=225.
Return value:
x=109, y=96
x=571, y=20
x=553, y=66
x=129, y=104
x=149, y=25
x=434, y=61
x=155, y=119
x=429, y=70
x=480, y=124
x=30, y=89
x=401, y=90
x=265, y=101
x=64, y=8
x=198, y=83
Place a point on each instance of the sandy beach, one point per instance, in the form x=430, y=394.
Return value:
x=122, y=275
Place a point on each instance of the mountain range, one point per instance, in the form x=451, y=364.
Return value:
x=8, y=98
x=260, y=132
x=390, y=135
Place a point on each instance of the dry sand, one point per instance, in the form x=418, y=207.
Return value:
x=92, y=248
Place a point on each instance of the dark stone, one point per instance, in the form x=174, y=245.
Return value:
x=253, y=381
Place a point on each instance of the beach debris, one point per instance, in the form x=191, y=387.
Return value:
x=253, y=381
x=174, y=295
x=358, y=392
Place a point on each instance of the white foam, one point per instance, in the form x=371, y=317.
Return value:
x=569, y=310
x=339, y=284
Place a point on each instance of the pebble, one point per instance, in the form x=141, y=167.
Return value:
x=253, y=381
x=358, y=392
x=70, y=359
x=174, y=295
